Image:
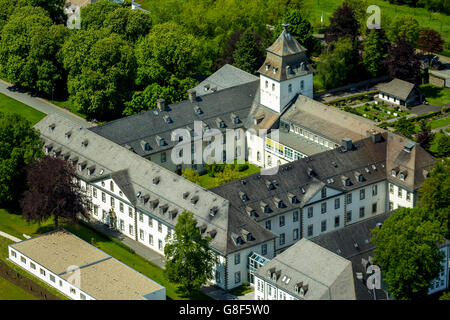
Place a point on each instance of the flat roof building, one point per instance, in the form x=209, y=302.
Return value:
x=80, y=270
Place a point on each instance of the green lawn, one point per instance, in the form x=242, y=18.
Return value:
x=208, y=182
x=9, y=291
x=440, y=122
x=242, y=290
x=66, y=104
x=435, y=95
x=8, y=104
x=15, y=225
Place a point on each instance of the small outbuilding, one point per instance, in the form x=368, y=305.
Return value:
x=401, y=93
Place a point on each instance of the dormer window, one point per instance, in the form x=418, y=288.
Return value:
x=185, y=194
x=290, y=88
x=68, y=134
x=292, y=198
x=265, y=207
x=279, y=202
x=275, y=70
x=84, y=143
x=235, y=118
x=213, y=211
x=198, y=110
x=194, y=199
x=52, y=127
x=394, y=172
x=270, y=185
x=167, y=119
x=161, y=142
x=267, y=66
x=145, y=145
x=243, y=196
x=250, y=211
x=403, y=175
x=156, y=180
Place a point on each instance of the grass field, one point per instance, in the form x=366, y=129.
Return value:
x=16, y=226
x=9, y=291
x=8, y=104
x=435, y=95
x=208, y=182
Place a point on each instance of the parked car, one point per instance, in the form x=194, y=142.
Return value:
x=326, y=95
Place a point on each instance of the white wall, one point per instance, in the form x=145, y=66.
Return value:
x=442, y=281
x=397, y=199
x=263, y=288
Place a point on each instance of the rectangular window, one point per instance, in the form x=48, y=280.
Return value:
x=323, y=207
x=337, y=203
x=282, y=239
x=33, y=266
x=310, y=230
x=362, y=212
x=295, y=236
x=268, y=225
x=23, y=260
x=141, y=217
x=349, y=216
x=169, y=232
x=264, y=249
x=323, y=226
x=362, y=194
x=121, y=225
x=310, y=212
x=42, y=272
x=112, y=202
x=150, y=222
x=52, y=278
x=94, y=192
x=121, y=206
x=336, y=221
x=60, y=283
x=237, y=277
x=349, y=198
x=130, y=212
x=324, y=192
x=131, y=229
x=295, y=216
x=408, y=196
x=13, y=253
x=399, y=192
x=237, y=258
x=160, y=245
x=391, y=188
x=281, y=221
x=150, y=239
x=95, y=210
x=374, y=207
x=391, y=206
x=159, y=226
x=82, y=296
x=374, y=190
x=141, y=234
x=72, y=291
x=103, y=197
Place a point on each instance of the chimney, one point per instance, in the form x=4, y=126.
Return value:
x=375, y=135
x=192, y=95
x=347, y=144
x=161, y=104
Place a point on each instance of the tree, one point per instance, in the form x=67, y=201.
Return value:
x=131, y=24
x=55, y=8
x=249, y=55
x=374, y=53
x=430, y=41
x=106, y=79
x=226, y=52
x=191, y=175
x=336, y=66
x=443, y=145
x=189, y=260
x=445, y=296
x=404, y=27
x=29, y=49
x=93, y=15
x=407, y=252
x=6, y=9
x=405, y=127
x=343, y=23
x=425, y=136
x=402, y=62
x=229, y=173
x=19, y=144
x=53, y=192
x=168, y=50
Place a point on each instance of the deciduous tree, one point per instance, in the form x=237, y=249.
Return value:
x=343, y=23
x=131, y=24
x=443, y=146
x=53, y=192
x=19, y=145
x=55, y=8
x=402, y=62
x=404, y=27
x=407, y=252
x=425, y=136
x=374, y=53
x=93, y=15
x=430, y=41
x=189, y=259
x=249, y=55
x=405, y=127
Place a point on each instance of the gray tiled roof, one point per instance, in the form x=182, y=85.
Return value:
x=226, y=77
x=397, y=88
x=148, y=127
x=342, y=242
x=327, y=275
x=135, y=174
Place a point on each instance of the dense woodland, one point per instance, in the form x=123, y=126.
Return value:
x=121, y=61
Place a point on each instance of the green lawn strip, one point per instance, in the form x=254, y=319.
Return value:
x=15, y=225
x=4, y=257
x=11, y=105
x=9, y=291
x=440, y=122
x=67, y=104
x=435, y=95
x=208, y=182
x=241, y=290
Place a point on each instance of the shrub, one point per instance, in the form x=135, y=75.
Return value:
x=242, y=167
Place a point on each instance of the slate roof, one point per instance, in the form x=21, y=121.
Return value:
x=327, y=168
x=342, y=242
x=135, y=174
x=325, y=275
x=226, y=77
x=150, y=127
x=286, y=44
x=397, y=88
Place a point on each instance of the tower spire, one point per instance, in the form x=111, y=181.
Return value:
x=285, y=26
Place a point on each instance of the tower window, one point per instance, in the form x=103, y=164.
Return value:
x=267, y=84
x=290, y=88
x=273, y=86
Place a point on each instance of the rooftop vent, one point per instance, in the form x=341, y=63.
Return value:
x=213, y=211
x=379, y=224
x=52, y=127
x=192, y=95
x=68, y=134
x=303, y=190
x=375, y=135
x=347, y=144
x=156, y=180
x=359, y=276
x=409, y=146
x=161, y=104
x=185, y=194
x=194, y=199
x=84, y=143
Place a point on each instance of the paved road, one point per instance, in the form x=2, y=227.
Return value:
x=41, y=104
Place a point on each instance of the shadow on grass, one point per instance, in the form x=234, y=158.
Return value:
x=432, y=92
